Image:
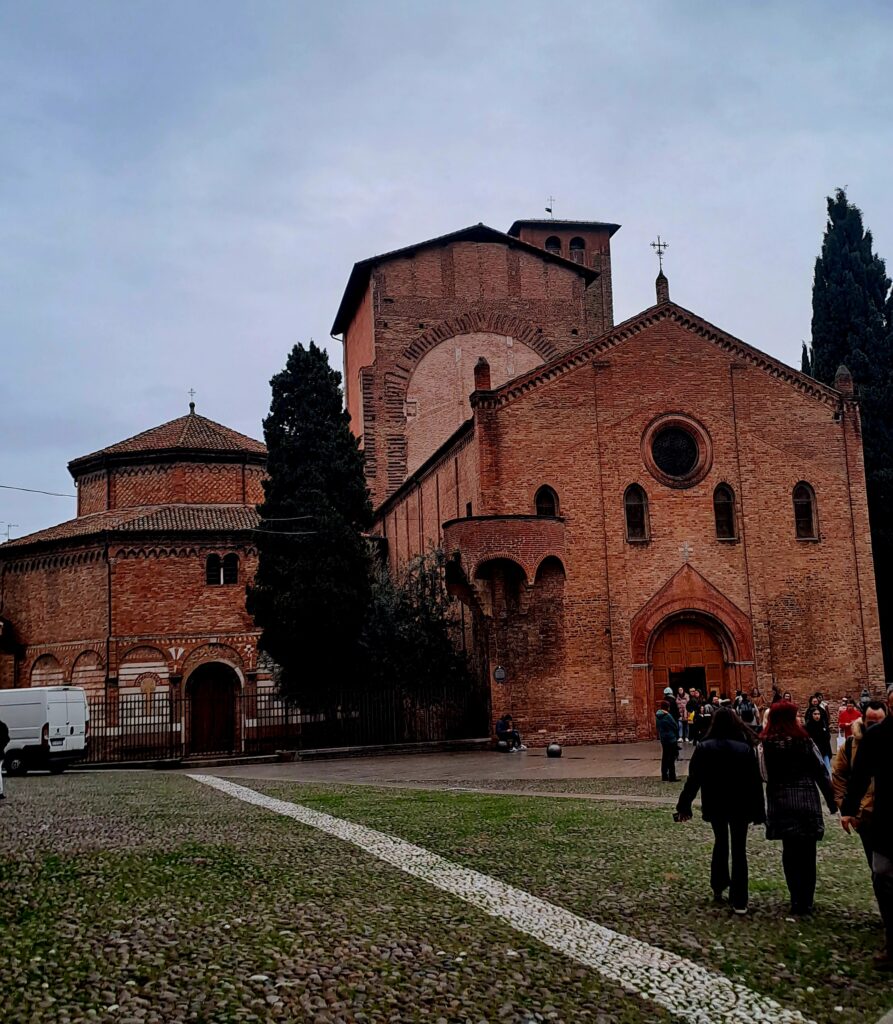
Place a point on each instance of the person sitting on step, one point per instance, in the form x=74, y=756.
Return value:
x=506, y=731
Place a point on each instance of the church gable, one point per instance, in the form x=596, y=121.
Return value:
x=667, y=320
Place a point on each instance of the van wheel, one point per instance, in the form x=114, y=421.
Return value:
x=57, y=769
x=15, y=765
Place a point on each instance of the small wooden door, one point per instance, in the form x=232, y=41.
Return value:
x=683, y=646
x=212, y=711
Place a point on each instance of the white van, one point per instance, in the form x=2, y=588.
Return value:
x=48, y=727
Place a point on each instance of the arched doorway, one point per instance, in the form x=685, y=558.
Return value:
x=211, y=693
x=687, y=652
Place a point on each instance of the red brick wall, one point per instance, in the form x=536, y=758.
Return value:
x=359, y=351
x=431, y=297
x=56, y=598
x=414, y=522
x=808, y=607
x=185, y=483
x=92, y=493
x=437, y=392
x=161, y=590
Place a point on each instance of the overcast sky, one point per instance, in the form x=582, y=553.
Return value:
x=184, y=186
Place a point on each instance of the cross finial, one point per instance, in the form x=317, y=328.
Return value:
x=550, y=208
x=686, y=551
x=660, y=247
x=191, y=393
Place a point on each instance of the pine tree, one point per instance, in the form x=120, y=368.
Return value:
x=312, y=584
x=852, y=324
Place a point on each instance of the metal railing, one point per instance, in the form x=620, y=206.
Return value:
x=170, y=725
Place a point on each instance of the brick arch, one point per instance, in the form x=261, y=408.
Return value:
x=550, y=557
x=214, y=652
x=500, y=556
x=142, y=653
x=688, y=592
x=47, y=671
x=477, y=322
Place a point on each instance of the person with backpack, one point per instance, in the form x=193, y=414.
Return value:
x=795, y=777
x=4, y=740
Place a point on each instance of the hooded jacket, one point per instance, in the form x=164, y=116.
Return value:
x=667, y=730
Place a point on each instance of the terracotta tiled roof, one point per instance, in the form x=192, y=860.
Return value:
x=146, y=519
x=188, y=433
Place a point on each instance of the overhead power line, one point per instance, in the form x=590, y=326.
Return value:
x=32, y=490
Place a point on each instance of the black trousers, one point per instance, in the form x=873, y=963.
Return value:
x=669, y=753
x=513, y=738
x=798, y=860
x=720, y=876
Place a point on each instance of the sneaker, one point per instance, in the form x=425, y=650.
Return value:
x=522, y=747
x=740, y=910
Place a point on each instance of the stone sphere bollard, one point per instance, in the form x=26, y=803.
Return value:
x=553, y=750
x=502, y=746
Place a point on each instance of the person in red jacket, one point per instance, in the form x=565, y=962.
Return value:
x=849, y=714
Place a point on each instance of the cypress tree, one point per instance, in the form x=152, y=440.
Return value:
x=805, y=362
x=852, y=324
x=312, y=584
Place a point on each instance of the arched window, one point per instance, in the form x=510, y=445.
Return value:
x=804, y=512
x=213, y=571
x=724, y=512
x=553, y=244
x=546, y=502
x=230, y=569
x=635, y=505
x=578, y=250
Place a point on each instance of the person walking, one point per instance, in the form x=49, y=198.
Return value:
x=874, y=763
x=842, y=770
x=668, y=734
x=817, y=727
x=795, y=773
x=4, y=740
x=724, y=768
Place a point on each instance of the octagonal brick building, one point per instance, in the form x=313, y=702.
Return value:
x=141, y=597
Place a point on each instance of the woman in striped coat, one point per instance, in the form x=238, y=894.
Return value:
x=795, y=775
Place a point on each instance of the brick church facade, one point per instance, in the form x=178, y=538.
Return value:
x=142, y=595
x=623, y=506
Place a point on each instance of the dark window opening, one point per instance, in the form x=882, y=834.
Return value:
x=230, y=569
x=553, y=244
x=468, y=510
x=578, y=250
x=724, y=512
x=546, y=502
x=213, y=571
x=635, y=505
x=804, y=512
x=675, y=451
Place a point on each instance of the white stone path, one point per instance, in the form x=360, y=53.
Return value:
x=689, y=991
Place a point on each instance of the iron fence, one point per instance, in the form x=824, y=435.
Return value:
x=168, y=724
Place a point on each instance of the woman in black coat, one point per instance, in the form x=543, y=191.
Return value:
x=819, y=732
x=724, y=768
x=795, y=773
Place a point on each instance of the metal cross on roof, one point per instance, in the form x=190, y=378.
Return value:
x=551, y=207
x=660, y=247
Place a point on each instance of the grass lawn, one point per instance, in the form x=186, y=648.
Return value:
x=138, y=897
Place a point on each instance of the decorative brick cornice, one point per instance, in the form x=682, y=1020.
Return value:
x=597, y=347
